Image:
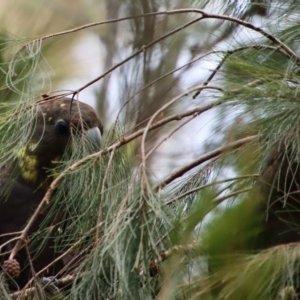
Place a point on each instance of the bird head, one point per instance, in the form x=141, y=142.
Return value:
x=59, y=121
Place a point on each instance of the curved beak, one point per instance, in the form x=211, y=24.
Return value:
x=93, y=136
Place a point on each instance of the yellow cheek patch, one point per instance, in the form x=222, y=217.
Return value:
x=28, y=163
x=29, y=176
x=62, y=105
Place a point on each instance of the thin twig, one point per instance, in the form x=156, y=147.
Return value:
x=226, y=52
x=212, y=75
x=208, y=185
x=116, y=65
x=221, y=199
x=204, y=15
x=142, y=50
x=172, y=101
x=170, y=134
x=182, y=170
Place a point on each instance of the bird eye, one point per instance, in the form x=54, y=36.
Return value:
x=62, y=127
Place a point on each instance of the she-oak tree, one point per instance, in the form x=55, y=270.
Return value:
x=222, y=225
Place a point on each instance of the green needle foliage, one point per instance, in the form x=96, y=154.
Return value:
x=222, y=224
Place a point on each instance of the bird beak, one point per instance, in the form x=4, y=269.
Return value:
x=93, y=136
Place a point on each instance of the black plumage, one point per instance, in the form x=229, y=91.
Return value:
x=278, y=209
x=57, y=122
x=278, y=190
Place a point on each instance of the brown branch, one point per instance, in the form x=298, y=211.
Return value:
x=286, y=50
x=142, y=50
x=204, y=15
x=174, y=130
x=218, y=151
x=116, y=65
x=230, y=52
x=212, y=75
x=246, y=24
x=172, y=101
x=227, y=54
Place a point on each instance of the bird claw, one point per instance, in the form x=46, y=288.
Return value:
x=51, y=283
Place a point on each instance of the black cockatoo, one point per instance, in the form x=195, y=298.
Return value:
x=278, y=189
x=57, y=122
x=251, y=240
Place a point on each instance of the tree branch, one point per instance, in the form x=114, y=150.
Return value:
x=199, y=188
x=201, y=159
x=204, y=15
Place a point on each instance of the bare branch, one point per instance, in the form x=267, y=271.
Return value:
x=204, y=15
x=169, y=135
x=199, y=188
x=182, y=170
x=227, y=53
x=172, y=101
